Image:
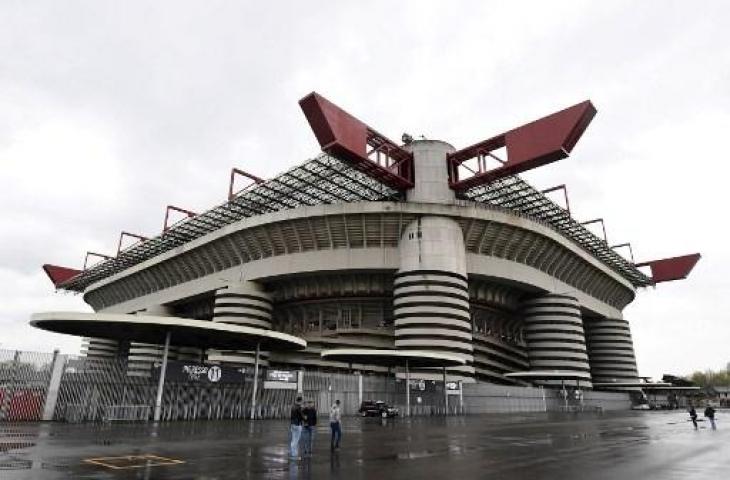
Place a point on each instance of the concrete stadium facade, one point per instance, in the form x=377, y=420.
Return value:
x=505, y=292
x=346, y=252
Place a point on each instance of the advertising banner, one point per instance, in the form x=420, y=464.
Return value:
x=183, y=372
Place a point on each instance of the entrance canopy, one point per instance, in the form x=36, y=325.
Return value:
x=154, y=329
x=389, y=358
x=550, y=375
x=644, y=386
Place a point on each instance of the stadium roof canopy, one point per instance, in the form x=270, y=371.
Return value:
x=351, y=171
x=321, y=180
x=326, y=180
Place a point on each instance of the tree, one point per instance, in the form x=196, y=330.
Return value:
x=711, y=378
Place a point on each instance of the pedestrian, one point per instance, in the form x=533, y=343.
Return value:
x=710, y=414
x=309, y=412
x=693, y=415
x=295, y=428
x=335, y=426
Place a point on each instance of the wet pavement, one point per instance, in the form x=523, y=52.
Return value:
x=632, y=445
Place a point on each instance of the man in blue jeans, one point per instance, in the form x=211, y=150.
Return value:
x=335, y=426
x=295, y=428
x=309, y=412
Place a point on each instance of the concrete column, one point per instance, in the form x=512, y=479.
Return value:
x=100, y=349
x=161, y=381
x=359, y=389
x=431, y=175
x=246, y=304
x=431, y=295
x=555, y=338
x=300, y=382
x=54, y=384
x=142, y=356
x=611, y=351
x=461, y=397
x=446, y=395
x=255, y=381
x=408, y=390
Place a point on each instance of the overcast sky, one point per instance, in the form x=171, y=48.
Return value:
x=111, y=110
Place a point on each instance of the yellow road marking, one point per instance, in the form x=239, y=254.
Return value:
x=144, y=461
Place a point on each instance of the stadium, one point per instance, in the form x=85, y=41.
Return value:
x=376, y=245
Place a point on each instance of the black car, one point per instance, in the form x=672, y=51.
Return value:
x=370, y=408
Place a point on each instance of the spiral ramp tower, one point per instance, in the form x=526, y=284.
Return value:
x=611, y=352
x=246, y=304
x=555, y=337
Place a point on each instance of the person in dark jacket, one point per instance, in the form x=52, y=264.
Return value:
x=295, y=427
x=693, y=415
x=309, y=413
x=335, y=425
x=710, y=414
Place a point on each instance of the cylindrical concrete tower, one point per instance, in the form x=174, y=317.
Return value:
x=430, y=290
x=243, y=304
x=611, y=351
x=101, y=349
x=555, y=337
x=431, y=174
x=142, y=356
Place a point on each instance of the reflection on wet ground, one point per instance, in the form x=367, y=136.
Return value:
x=645, y=445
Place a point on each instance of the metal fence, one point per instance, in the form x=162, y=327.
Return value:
x=24, y=380
x=47, y=386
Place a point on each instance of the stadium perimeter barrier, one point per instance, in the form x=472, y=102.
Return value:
x=49, y=386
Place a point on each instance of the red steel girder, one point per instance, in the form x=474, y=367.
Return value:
x=565, y=194
x=626, y=244
x=58, y=275
x=139, y=238
x=190, y=214
x=347, y=138
x=94, y=254
x=530, y=146
x=603, y=226
x=237, y=171
x=668, y=269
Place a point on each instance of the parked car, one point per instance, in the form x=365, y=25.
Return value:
x=369, y=408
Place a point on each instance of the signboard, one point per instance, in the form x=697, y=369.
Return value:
x=288, y=376
x=453, y=388
x=183, y=372
x=281, y=379
x=418, y=385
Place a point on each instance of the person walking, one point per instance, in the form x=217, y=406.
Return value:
x=309, y=412
x=710, y=414
x=295, y=428
x=335, y=426
x=693, y=415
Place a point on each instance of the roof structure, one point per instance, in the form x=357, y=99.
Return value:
x=153, y=329
x=360, y=164
x=321, y=180
x=515, y=194
x=326, y=180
